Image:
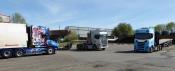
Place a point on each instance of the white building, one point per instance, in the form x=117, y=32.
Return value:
x=4, y=18
x=83, y=31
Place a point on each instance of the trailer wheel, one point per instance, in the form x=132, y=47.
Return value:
x=19, y=53
x=50, y=51
x=165, y=45
x=6, y=53
x=150, y=50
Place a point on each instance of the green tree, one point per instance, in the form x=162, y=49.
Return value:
x=71, y=37
x=170, y=26
x=160, y=27
x=123, y=30
x=1, y=20
x=18, y=18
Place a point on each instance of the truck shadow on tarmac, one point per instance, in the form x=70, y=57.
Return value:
x=38, y=55
x=128, y=51
x=83, y=50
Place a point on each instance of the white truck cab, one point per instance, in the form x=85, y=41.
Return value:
x=97, y=40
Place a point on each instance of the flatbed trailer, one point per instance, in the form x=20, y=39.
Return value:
x=163, y=43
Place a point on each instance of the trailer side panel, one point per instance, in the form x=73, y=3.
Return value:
x=13, y=39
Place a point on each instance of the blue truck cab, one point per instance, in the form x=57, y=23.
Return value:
x=144, y=40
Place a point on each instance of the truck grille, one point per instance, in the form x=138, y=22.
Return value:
x=141, y=44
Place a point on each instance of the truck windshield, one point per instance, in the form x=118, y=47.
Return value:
x=143, y=36
x=104, y=39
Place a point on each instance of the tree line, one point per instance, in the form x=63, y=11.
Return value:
x=123, y=30
x=16, y=18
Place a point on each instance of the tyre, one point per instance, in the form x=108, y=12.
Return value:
x=165, y=45
x=135, y=51
x=103, y=49
x=6, y=53
x=50, y=51
x=94, y=47
x=80, y=46
x=19, y=53
x=156, y=49
x=100, y=49
x=150, y=50
x=159, y=47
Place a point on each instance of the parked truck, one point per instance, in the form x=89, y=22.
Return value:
x=96, y=40
x=147, y=40
x=17, y=40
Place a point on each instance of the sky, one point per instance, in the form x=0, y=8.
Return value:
x=92, y=13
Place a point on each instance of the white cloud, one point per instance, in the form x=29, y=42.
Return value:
x=55, y=12
x=51, y=6
x=66, y=17
x=135, y=12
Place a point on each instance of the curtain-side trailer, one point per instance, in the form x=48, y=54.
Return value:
x=17, y=40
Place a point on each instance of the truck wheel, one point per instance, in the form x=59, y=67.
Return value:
x=100, y=49
x=165, y=45
x=79, y=46
x=135, y=51
x=150, y=50
x=50, y=51
x=6, y=53
x=19, y=53
x=156, y=49
x=159, y=47
x=103, y=49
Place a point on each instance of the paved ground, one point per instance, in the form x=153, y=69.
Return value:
x=118, y=57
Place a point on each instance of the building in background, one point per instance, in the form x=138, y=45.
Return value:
x=4, y=18
x=83, y=31
x=55, y=34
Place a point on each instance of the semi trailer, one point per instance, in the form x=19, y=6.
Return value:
x=96, y=40
x=17, y=40
x=148, y=40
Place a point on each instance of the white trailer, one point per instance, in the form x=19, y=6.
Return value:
x=13, y=35
x=17, y=40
